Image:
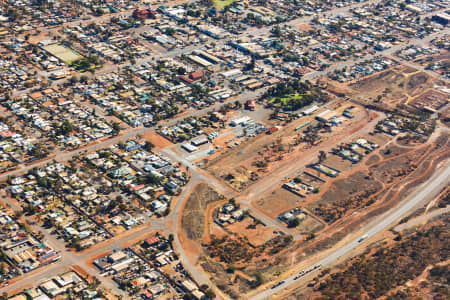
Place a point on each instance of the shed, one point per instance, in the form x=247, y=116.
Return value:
x=189, y=148
x=199, y=141
x=325, y=116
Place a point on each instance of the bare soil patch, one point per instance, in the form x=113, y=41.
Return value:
x=431, y=99
x=445, y=117
x=309, y=224
x=372, y=159
x=338, y=162
x=389, y=84
x=193, y=217
x=392, y=151
x=399, y=264
x=256, y=234
x=398, y=166
x=417, y=83
x=157, y=140
x=305, y=27
x=278, y=201
x=344, y=195
x=255, y=159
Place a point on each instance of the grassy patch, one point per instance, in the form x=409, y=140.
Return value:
x=294, y=101
x=220, y=4
x=63, y=53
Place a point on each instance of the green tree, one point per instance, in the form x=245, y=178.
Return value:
x=73, y=79
x=152, y=178
x=170, y=31
x=322, y=156
x=259, y=279
x=83, y=79
x=116, y=127
x=149, y=146
x=231, y=269
x=293, y=222
x=210, y=294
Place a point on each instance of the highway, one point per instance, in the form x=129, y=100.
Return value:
x=424, y=192
x=170, y=223
x=196, y=272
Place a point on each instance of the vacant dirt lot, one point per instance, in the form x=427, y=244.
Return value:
x=393, y=150
x=398, y=85
x=398, y=166
x=445, y=117
x=253, y=160
x=338, y=162
x=193, y=217
x=256, y=234
x=431, y=98
x=157, y=140
x=371, y=159
x=278, y=202
x=389, y=83
x=309, y=224
x=345, y=194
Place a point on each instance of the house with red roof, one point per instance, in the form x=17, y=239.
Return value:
x=250, y=104
x=196, y=75
x=6, y=134
x=153, y=240
x=144, y=13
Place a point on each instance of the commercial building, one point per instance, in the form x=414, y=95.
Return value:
x=189, y=148
x=326, y=116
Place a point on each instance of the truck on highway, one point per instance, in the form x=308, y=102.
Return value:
x=278, y=284
x=363, y=238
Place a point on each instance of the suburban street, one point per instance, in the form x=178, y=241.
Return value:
x=198, y=275
x=171, y=223
x=129, y=133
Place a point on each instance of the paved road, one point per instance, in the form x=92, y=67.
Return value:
x=67, y=259
x=387, y=52
x=425, y=192
x=271, y=181
x=71, y=258
x=335, y=11
x=107, y=16
x=226, y=192
x=127, y=134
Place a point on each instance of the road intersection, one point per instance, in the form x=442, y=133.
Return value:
x=170, y=223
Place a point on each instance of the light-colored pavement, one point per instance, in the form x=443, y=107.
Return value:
x=226, y=192
x=70, y=258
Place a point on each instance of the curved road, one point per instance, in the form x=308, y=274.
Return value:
x=424, y=192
